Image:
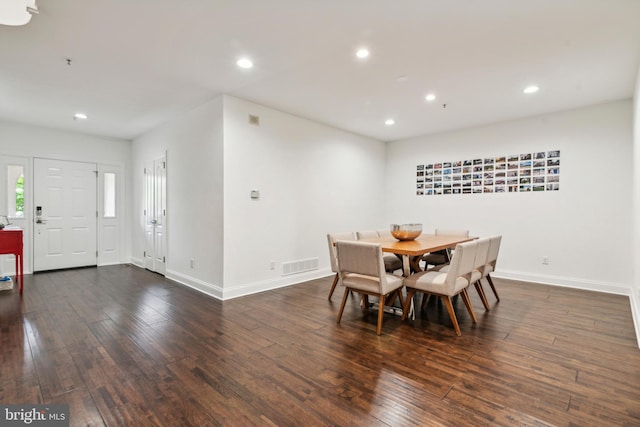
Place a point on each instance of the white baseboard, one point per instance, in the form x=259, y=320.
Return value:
x=279, y=282
x=137, y=262
x=567, y=282
x=197, y=284
x=635, y=312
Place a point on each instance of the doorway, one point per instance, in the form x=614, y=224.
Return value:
x=155, y=214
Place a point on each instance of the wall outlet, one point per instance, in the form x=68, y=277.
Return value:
x=545, y=260
x=272, y=265
x=192, y=263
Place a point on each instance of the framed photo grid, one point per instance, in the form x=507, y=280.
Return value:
x=518, y=173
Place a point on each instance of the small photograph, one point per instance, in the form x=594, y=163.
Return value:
x=456, y=170
x=477, y=190
x=513, y=165
x=525, y=180
x=456, y=164
x=466, y=183
x=539, y=163
x=466, y=191
x=553, y=187
x=500, y=189
x=446, y=165
x=437, y=178
x=477, y=169
x=537, y=172
x=553, y=178
x=447, y=191
x=555, y=153
x=437, y=166
x=428, y=192
x=553, y=162
x=420, y=186
x=524, y=188
x=437, y=191
x=446, y=177
x=466, y=176
x=420, y=180
x=456, y=185
x=437, y=185
x=501, y=166
x=501, y=159
x=513, y=158
x=419, y=193
x=512, y=181
x=457, y=177
x=477, y=176
x=467, y=169
x=487, y=190
x=477, y=183
x=467, y=163
x=457, y=191
x=525, y=156
x=446, y=171
x=525, y=164
x=429, y=166
x=500, y=174
x=538, y=179
x=538, y=188
x=489, y=161
x=477, y=161
x=488, y=175
x=428, y=185
x=428, y=172
x=437, y=172
x=512, y=188
x=420, y=167
x=488, y=167
x=525, y=172
x=445, y=186
x=540, y=155
x=420, y=173
x=553, y=171
x=488, y=182
x=500, y=181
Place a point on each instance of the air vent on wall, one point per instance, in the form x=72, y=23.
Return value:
x=254, y=120
x=293, y=267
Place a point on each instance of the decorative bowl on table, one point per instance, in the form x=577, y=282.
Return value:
x=406, y=231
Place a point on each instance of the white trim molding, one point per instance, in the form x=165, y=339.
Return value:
x=566, y=282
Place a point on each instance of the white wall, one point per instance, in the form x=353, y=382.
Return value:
x=313, y=179
x=27, y=141
x=193, y=143
x=584, y=229
x=635, y=293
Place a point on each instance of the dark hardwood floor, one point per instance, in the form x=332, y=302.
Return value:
x=123, y=346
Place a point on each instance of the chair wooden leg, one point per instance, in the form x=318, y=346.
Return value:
x=493, y=288
x=380, y=313
x=425, y=298
x=344, y=301
x=467, y=302
x=452, y=314
x=405, y=309
x=333, y=286
x=482, y=296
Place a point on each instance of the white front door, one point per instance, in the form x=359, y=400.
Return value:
x=65, y=214
x=155, y=215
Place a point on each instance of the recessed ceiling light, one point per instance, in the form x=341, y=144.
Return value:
x=80, y=116
x=245, y=63
x=362, y=53
x=389, y=122
x=531, y=89
x=430, y=97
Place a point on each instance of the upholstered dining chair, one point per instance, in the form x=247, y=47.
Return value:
x=490, y=265
x=361, y=269
x=446, y=284
x=442, y=257
x=391, y=262
x=333, y=255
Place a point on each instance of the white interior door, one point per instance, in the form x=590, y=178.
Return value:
x=110, y=214
x=155, y=215
x=65, y=214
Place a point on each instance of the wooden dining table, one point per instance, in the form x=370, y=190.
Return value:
x=412, y=251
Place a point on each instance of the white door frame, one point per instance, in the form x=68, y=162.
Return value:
x=155, y=214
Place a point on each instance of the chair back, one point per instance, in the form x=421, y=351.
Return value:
x=361, y=258
x=332, y=238
x=445, y=232
x=367, y=234
x=384, y=232
x=461, y=266
x=482, y=253
x=494, y=248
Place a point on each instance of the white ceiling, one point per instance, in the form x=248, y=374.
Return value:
x=137, y=63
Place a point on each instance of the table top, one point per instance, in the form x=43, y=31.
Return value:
x=425, y=243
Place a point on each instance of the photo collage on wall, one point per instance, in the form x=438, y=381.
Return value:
x=529, y=172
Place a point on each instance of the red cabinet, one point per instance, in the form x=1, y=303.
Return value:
x=11, y=243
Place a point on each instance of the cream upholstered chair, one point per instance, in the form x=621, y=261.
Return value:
x=391, y=262
x=478, y=269
x=490, y=265
x=361, y=269
x=442, y=257
x=333, y=255
x=446, y=284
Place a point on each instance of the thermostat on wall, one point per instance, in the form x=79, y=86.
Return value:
x=255, y=194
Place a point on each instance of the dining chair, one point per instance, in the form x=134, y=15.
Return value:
x=333, y=255
x=447, y=284
x=361, y=269
x=443, y=256
x=490, y=265
x=391, y=262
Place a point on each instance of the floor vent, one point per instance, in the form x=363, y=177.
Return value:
x=293, y=267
